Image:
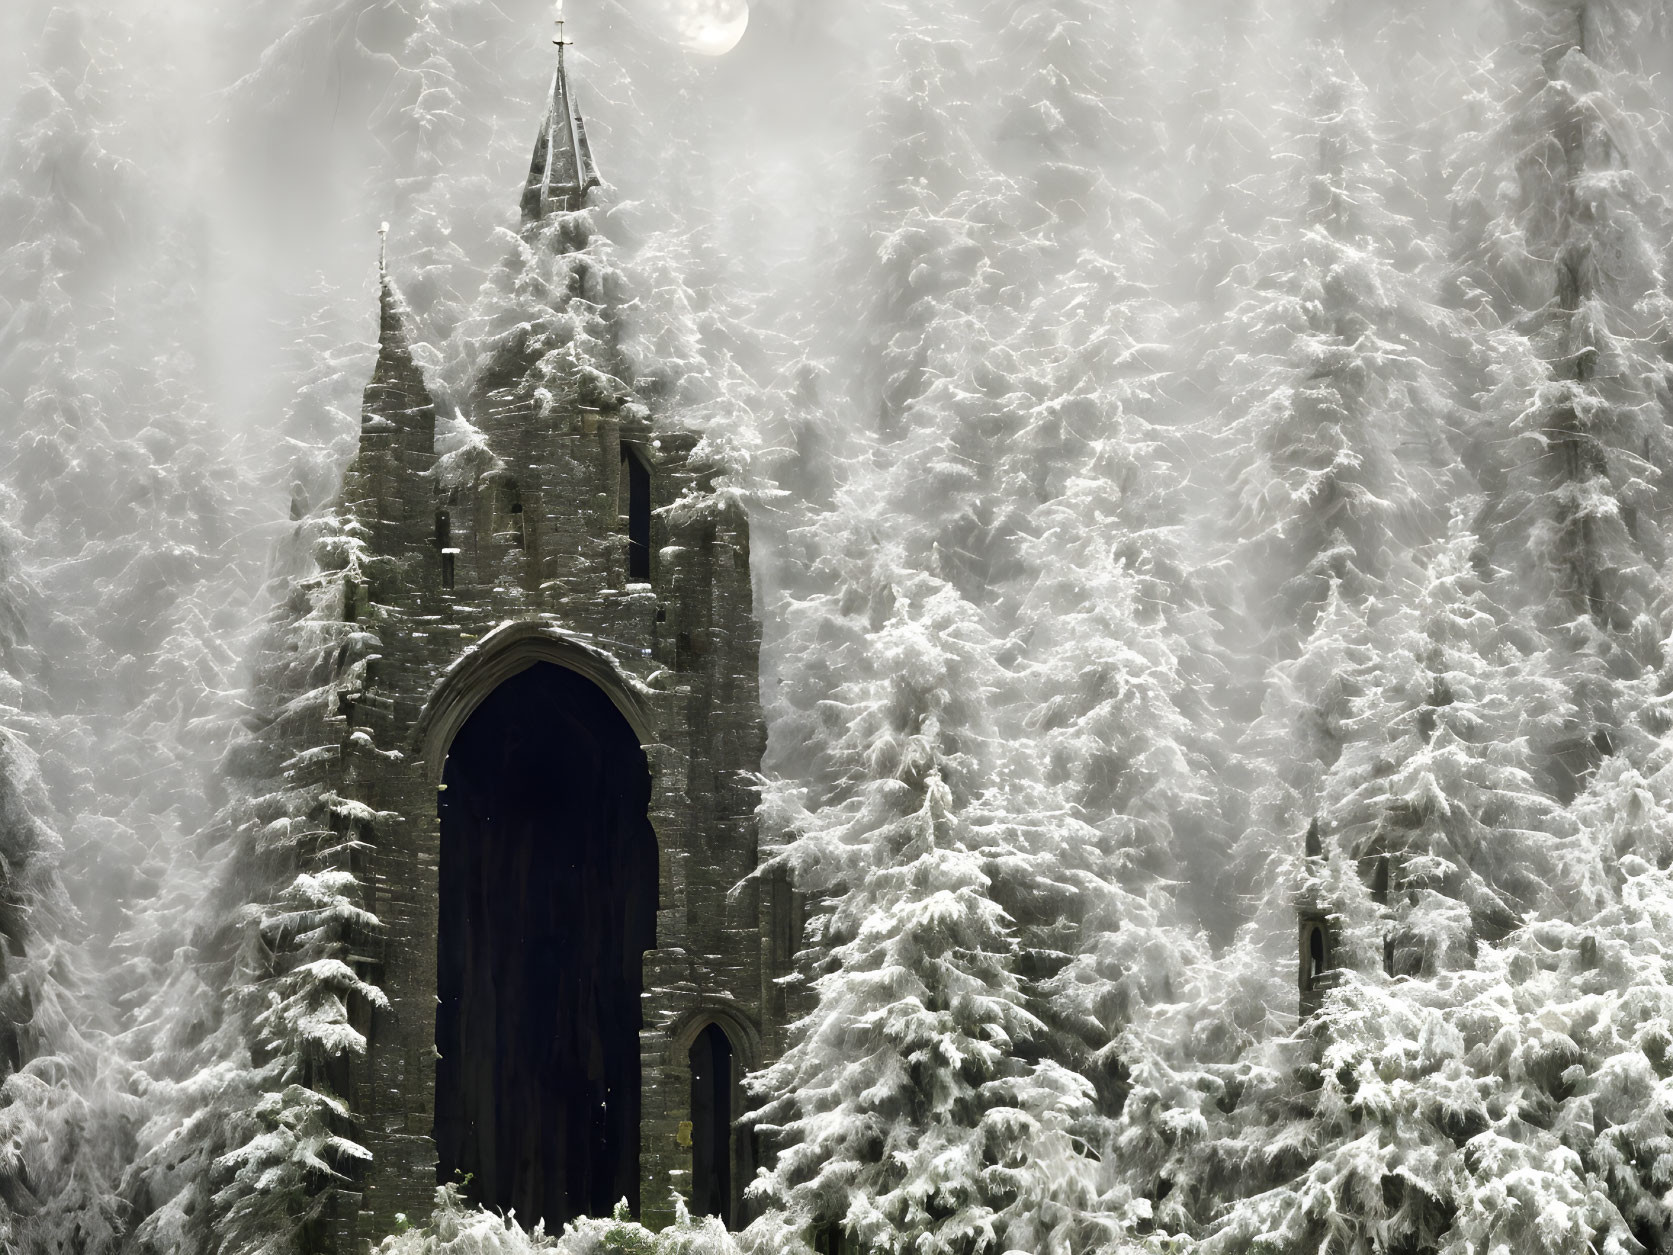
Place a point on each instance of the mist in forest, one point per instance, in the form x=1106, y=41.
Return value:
x=1205, y=460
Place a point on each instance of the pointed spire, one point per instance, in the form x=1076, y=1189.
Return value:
x=562, y=171
x=387, y=487
x=396, y=392
x=394, y=345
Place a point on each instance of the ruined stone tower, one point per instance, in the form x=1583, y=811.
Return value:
x=551, y=749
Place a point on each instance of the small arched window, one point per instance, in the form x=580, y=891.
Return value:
x=711, y=1124
x=1315, y=953
x=638, y=477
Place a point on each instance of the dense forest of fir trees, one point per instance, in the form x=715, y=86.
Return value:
x=1178, y=437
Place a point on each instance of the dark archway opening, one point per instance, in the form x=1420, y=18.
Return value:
x=711, y=1124
x=548, y=885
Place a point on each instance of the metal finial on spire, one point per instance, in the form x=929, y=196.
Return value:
x=560, y=41
x=383, y=249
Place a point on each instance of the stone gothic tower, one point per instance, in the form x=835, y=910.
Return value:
x=550, y=750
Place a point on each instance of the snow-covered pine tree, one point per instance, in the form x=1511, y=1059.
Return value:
x=1332, y=407
x=1220, y=110
x=1220, y=1078
x=904, y=256
x=1561, y=244
x=241, y=1044
x=128, y=496
x=1033, y=341
x=913, y=254
x=912, y=1111
x=1438, y=794
x=244, y=1045
x=126, y=533
x=1514, y=1103
x=1088, y=579
x=62, y=1114
x=427, y=121
x=1333, y=417
x=1414, y=60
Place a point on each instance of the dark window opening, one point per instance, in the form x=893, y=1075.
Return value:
x=638, y=516
x=784, y=917
x=548, y=897
x=447, y=570
x=711, y=1124
x=517, y=523
x=1315, y=954
x=444, y=529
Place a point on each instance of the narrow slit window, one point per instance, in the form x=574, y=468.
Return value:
x=444, y=542
x=638, y=515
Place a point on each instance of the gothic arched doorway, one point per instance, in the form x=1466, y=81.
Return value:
x=548, y=898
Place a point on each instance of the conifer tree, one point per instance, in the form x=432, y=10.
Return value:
x=1438, y=791
x=61, y=1110
x=1334, y=414
x=122, y=528
x=1561, y=244
x=912, y=1111
x=1221, y=111
x=241, y=1043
